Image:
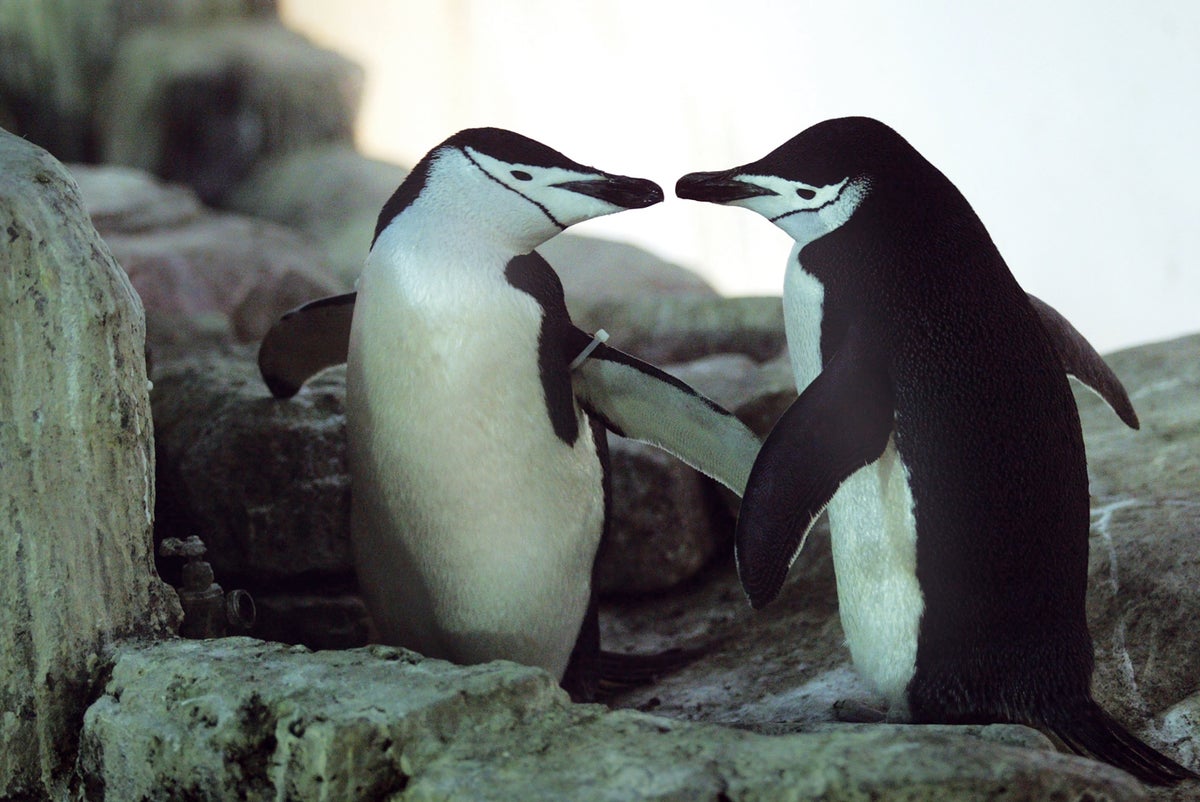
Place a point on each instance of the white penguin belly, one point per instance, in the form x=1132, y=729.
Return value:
x=871, y=523
x=474, y=526
x=874, y=539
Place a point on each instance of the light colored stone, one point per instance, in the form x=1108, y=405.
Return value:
x=54, y=56
x=330, y=192
x=76, y=469
x=188, y=262
x=236, y=718
x=670, y=329
x=202, y=105
x=594, y=269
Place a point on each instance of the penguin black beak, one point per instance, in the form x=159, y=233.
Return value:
x=719, y=187
x=619, y=190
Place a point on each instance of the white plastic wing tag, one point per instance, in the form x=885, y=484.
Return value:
x=601, y=336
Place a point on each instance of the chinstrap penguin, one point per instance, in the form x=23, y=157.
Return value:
x=936, y=422
x=476, y=410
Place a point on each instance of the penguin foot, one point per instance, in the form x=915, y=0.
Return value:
x=622, y=672
x=849, y=711
x=1088, y=730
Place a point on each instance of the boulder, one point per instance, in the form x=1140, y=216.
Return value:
x=202, y=105
x=330, y=192
x=76, y=470
x=189, y=262
x=237, y=718
x=54, y=56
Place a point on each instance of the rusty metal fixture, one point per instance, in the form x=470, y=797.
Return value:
x=208, y=612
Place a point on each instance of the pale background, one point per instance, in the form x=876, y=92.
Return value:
x=1073, y=127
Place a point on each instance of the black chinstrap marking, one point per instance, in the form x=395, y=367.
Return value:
x=514, y=190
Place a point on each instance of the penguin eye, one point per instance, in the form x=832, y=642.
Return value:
x=806, y=193
x=521, y=175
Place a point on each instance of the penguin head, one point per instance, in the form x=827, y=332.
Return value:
x=511, y=188
x=811, y=184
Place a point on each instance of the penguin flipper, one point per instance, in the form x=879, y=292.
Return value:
x=1079, y=359
x=304, y=342
x=637, y=400
x=1094, y=733
x=840, y=423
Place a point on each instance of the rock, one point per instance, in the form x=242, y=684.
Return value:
x=784, y=667
x=202, y=105
x=665, y=526
x=236, y=718
x=54, y=56
x=669, y=329
x=594, y=269
x=263, y=482
x=76, y=470
x=330, y=192
x=187, y=261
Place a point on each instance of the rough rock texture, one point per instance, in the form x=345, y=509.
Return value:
x=782, y=669
x=55, y=55
x=330, y=192
x=595, y=270
x=190, y=720
x=187, y=261
x=202, y=105
x=76, y=469
x=671, y=329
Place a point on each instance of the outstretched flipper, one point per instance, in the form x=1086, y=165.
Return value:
x=1087, y=730
x=840, y=423
x=1079, y=359
x=304, y=342
x=637, y=400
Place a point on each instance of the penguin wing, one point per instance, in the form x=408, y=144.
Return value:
x=305, y=341
x=840, y=423
x=637, y=400
x=1079, y=359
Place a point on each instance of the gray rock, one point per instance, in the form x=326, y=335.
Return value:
x=330, y=192
x=669, y=329
x=54, y=56
x=594, y=269
x=76, y=470
x=187, y=261
x=665, y=526
x=262, y=482
x=236, y=718
x=203, y=104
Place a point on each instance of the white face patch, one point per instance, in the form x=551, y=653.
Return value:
x=806, y=212
x=538, y=185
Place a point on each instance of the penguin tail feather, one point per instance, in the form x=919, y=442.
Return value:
x=1091, y=732
x=620, y=672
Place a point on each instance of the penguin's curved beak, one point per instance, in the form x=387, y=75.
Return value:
x=719, y=187
x=619, y=190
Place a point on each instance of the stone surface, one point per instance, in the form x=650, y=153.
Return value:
x=330, y=192
x=187, y=261
x=236, y=718
x=203, y=104
x=76, y=469
x=594, y=269
x=679, y=328
x=54, y=56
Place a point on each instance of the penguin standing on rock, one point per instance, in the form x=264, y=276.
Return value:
x=476, y=410
x=936, y=422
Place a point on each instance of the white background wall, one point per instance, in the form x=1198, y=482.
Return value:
x=1073, y=127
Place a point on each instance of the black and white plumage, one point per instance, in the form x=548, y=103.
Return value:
x=936, y=423
x=477, y=447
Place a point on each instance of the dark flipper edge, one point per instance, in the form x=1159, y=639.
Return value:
x=304, y=342
x=840, y=423
x=1080, y=360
